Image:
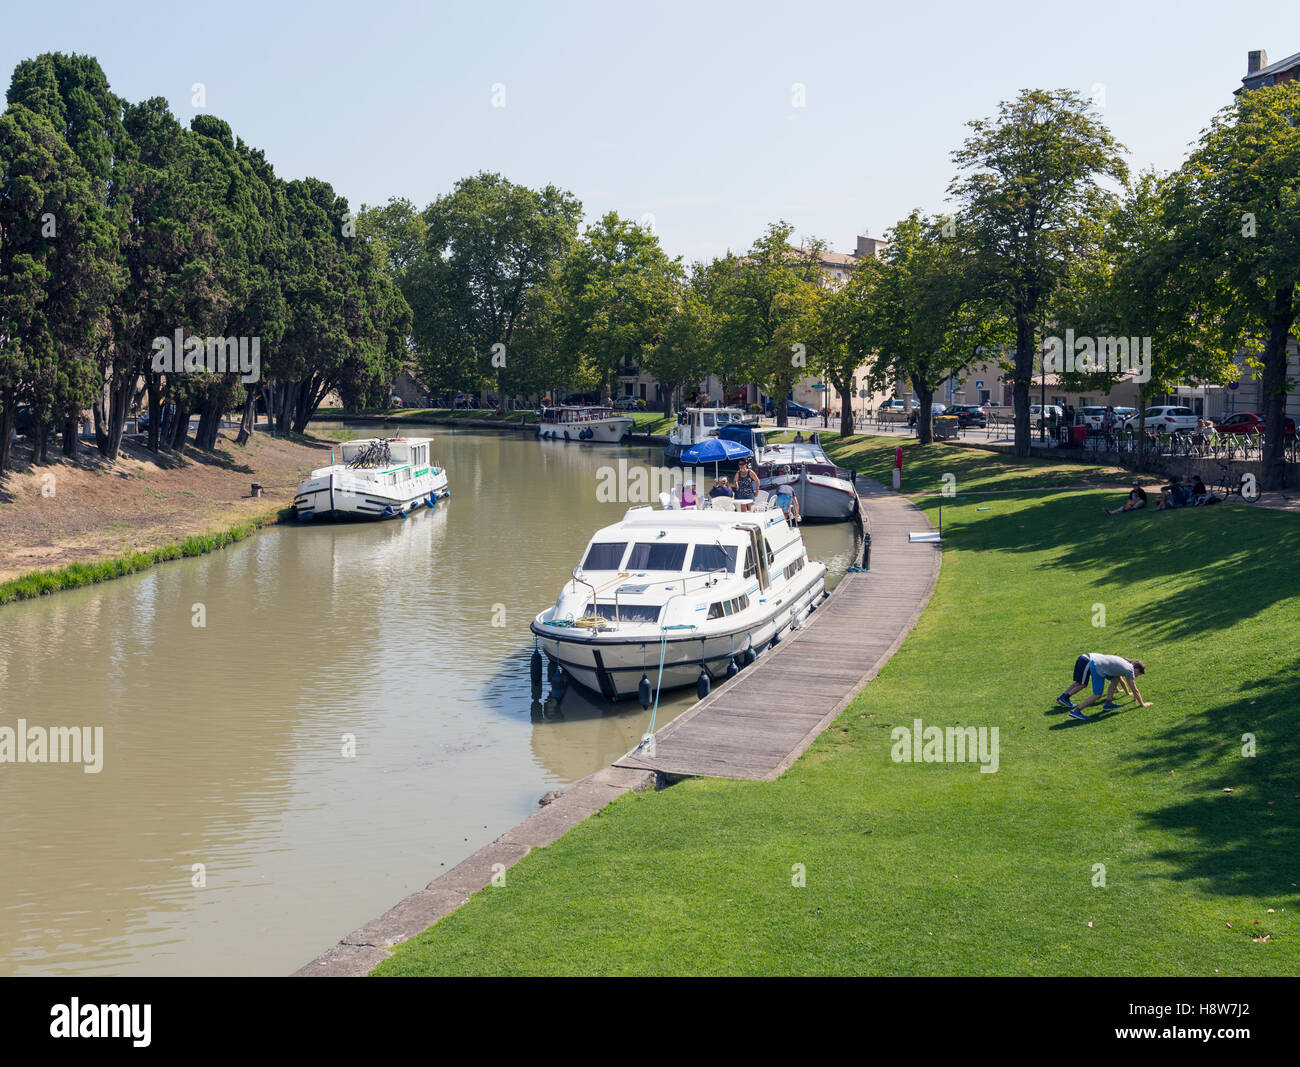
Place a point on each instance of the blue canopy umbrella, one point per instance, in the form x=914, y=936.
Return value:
x=715, y=450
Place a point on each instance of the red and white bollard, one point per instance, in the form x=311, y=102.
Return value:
x=898, y=467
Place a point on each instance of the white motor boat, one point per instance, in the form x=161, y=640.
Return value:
x=378, y=478
x=572, y=422
x=695, y=425
x=825, y=492
x=674, y=596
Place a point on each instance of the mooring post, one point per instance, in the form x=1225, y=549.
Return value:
x=866, y=550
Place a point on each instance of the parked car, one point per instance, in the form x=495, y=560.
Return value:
x=893, y=405
x=1251, y=422
x=1165, y=418
x=629, y=403
x=1036, y=409
x=792, y=410
x=970, y=415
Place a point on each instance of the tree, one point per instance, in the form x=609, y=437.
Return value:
x=922, y=312
x=619, y=290
x=490, y=243
x=72, y=93
x=1236, y=206
x=57, y=275
x=1030, y=186
x=765, y=300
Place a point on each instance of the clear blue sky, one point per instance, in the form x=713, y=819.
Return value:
x=680, y=110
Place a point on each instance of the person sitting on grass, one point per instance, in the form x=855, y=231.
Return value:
x=1174, y=495
x=1100, y=669
x=1200, y=494
x=1137, y=498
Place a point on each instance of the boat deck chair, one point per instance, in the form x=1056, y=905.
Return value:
x=760, y=500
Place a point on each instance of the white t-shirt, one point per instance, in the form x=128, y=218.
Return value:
x=1111, y=666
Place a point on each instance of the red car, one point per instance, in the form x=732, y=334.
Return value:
x=1248, y=422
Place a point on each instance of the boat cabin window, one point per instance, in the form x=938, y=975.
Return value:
x=751, y=568
x=771, y=556
x=637, y=613
x=708, y=418
x=656, y=556
x=713, y=557
x=728, y=607
x=604, y=556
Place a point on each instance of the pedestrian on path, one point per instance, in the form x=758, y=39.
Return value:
x=1100, y=669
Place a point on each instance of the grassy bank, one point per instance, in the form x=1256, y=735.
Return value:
x=936, y=868
x=73, y=576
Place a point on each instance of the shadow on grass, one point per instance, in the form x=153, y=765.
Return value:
x=1240, y=820
x=1217, y=566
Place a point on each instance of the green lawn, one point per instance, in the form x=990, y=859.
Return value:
x=941, y=869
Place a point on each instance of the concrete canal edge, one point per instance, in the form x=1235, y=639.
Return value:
x=361, y=951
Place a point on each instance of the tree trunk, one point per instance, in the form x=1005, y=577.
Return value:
x=179, y=428
x=249, y=420
x=41, y=443
x=925, y=419
x=1274, y=389
x=155, y=412
x=101, y=423
x=6, y=429
x=782, y=409
x=1023, y=379
x=71, y=426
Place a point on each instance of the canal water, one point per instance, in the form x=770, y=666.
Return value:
x=353, y=717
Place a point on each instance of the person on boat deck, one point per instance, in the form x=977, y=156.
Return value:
x=798, y=437
x=721, y=487
x=746, y=482
x=788, y=502
x=689, y=499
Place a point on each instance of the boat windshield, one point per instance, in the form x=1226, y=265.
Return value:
x=707, y=558
x=656, y=556
x=604, y=556
x=639, y=613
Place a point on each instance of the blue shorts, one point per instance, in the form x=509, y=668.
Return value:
x=1082, y=669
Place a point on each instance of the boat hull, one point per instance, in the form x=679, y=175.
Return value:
x=820, y=499
x=612, y=665
x=598, y=431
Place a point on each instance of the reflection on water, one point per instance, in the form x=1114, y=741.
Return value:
x=354, y=717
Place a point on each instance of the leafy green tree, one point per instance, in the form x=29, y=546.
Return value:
x=490, y=242
x=922, y=313
x=1030, y=192
x=57, y=275
x=765, y=300
x=72, y=92
x=620, y=290
x=1236, y=206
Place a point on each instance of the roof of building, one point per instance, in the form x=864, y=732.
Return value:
x=1264, y=76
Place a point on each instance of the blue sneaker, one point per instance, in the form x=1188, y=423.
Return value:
x=1110, y=705
x=1065, y=701
x=1075, y=713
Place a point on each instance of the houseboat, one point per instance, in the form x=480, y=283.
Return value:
x=673, y=596
x=825, y=492
x=695, y=425
x=572, y=422
x=377, y=478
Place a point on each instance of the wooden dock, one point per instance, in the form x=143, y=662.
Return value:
x=758, y=723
